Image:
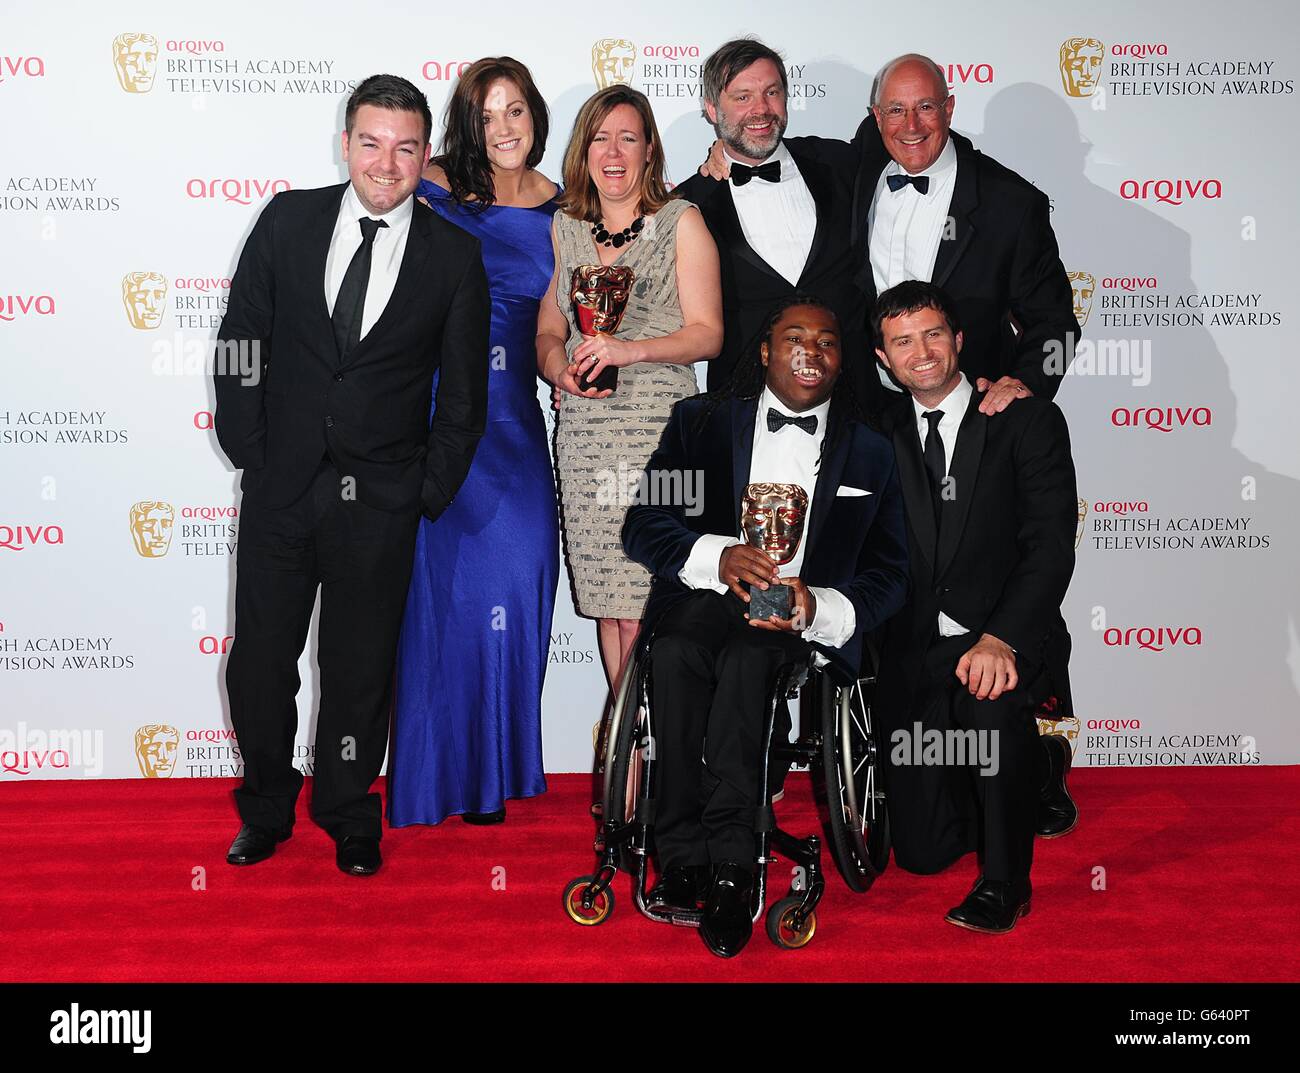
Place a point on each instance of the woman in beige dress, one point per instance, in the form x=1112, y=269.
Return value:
x=616, y=210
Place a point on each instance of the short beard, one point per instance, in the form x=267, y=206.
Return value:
x=733, y=137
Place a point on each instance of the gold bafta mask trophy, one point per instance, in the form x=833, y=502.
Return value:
x=599, y=294
x=772, y=517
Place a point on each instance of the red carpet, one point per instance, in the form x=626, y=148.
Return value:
x=1202, y=876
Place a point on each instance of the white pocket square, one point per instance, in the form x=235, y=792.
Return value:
x=849, y=490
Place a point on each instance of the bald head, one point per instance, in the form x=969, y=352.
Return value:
x=913, y=109
x=910, y=64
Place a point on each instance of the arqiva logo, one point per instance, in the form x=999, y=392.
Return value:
x=1170, y=191
x=1162, y=419
x=21, y=67
x=1152, y=638
x=22, y=537
x=13, y=306
x=236, y=191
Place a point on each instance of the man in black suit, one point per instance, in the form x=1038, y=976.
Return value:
x=782, y=221
x=928, y=205
x=991, y=512
x=711, y=665
x=346, y=300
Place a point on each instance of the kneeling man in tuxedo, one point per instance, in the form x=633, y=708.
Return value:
x=712, y=665
x=991, y=513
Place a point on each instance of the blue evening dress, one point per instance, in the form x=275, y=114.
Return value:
x=476, y=631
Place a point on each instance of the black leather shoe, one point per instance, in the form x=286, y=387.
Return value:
x=484, y=819
x=1057, y=813
x=726, y=925
x=680, y=887
x=254, y=844
x=358, y=855
x=992, y=906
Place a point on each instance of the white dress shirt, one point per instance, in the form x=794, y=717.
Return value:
x=789, y=456
x=385, y=257
x=906, y=226
x=778, y=219
x=954, y=409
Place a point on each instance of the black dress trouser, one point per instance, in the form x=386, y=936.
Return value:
x=360, y=559
x=711, y=674
x=940, y=811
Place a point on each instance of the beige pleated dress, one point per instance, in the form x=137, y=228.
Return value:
x=603, y=445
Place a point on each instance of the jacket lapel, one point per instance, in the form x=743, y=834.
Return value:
x=839, y=438
x=742, y=450
x=914, y=480
x=964, y=473
x=872, y=163
x=725, y=224
x=419, y=244
x=965, y=199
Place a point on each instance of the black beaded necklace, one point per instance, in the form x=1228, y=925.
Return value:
x=619, y=238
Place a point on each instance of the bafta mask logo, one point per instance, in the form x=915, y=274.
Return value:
x=151, y=527
x=1081, y=65
x=612, y=62
x=1078, y=529
x=155, y=750
x=1082, y=284
x=135, y=59
x=144, y=296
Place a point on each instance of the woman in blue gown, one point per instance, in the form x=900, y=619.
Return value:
x=476, y=631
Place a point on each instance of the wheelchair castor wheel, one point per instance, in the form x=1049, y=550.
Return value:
x=600, y=909
x=780, y=925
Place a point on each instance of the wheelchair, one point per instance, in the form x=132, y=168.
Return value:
x=837, y=740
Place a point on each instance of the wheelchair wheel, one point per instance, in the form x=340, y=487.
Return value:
x=781, y=928
x=622, y=767
x=578, y=913
x=852, y=758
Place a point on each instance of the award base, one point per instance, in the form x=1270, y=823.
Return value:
x=607, y=378
x=775, y=600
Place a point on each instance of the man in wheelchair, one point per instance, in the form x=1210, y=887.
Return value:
x=791, y=474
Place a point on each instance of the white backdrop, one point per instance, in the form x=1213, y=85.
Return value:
x=126, y=190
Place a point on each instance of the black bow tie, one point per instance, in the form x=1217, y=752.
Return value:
x=742, y=173
x=897, y=182
x=777, y=421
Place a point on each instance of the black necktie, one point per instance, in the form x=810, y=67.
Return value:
x=351, y=302
x=769, y=172
x=935, y=460
x=777, y=421
x=897, y=182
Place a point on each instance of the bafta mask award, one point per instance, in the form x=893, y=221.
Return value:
x=772, y=518
x=599, y=294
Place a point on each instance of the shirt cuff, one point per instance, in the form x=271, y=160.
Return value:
x=701, y=568
x=835, y=620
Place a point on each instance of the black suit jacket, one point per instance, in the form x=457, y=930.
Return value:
x=1001, y=559
x=1000, y=265
x=751, y=287
x=370, y=412
x=855, y=544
